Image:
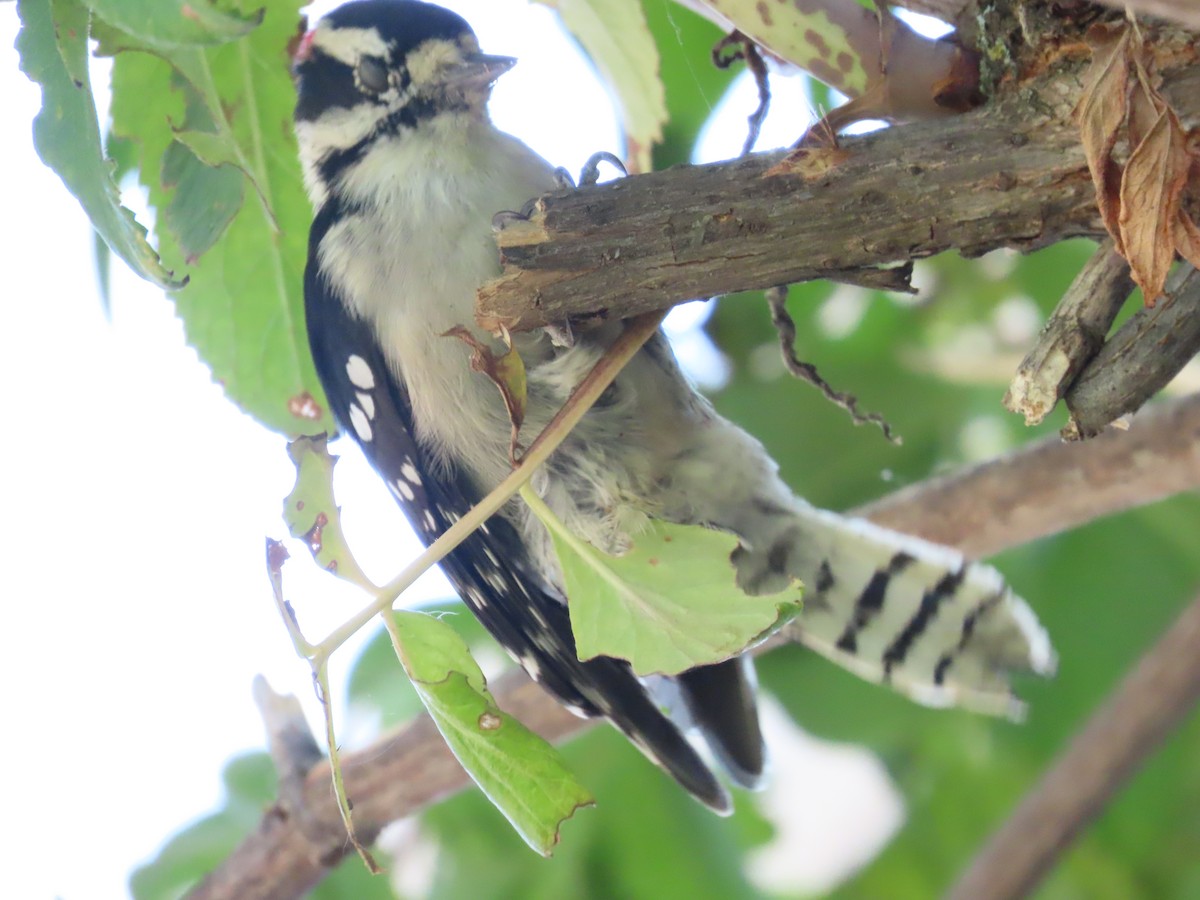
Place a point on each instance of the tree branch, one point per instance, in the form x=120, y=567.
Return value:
x=1073, y=336
x=1039, y=490
x=1140, y=359
x=997, y=177
x=1051, y=486
x=1104, y=754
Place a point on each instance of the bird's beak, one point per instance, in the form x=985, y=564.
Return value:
x=478, y=70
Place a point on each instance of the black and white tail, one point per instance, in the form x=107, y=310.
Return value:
x=908, y=613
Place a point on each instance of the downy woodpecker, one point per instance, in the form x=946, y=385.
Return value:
x=405, y=172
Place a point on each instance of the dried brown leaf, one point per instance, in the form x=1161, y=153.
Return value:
x=506, y=371
x=1151, y=195
x=1187, y=238
x=1101, y=113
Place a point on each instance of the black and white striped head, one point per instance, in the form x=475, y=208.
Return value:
x=374, y=68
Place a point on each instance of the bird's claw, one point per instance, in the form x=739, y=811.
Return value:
x=590, y=173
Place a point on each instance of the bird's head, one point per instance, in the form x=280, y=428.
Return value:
x=374, y=68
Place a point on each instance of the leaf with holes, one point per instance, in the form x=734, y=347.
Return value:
x=523, y=776
x=668, y=604
x=312, y=514
x=614, y=33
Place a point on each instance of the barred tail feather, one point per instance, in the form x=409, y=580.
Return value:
x=915, y=615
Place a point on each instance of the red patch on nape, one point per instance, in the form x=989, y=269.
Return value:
x=303, y=47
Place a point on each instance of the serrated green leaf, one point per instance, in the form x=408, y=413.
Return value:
x=176, y=23
x=669, y=604
x=66, y=134
x=244, y=309
x=312, y=514
x=614, y=33
x=523, y=776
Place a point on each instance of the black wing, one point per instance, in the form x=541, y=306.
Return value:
x=491, y=569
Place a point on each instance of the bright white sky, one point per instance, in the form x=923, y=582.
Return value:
x=135, y=605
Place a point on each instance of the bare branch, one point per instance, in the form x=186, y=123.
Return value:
x=1051, y=486
x=1162, y=689
x=1040, y=490
x=1138, y=361
x=1072, y=336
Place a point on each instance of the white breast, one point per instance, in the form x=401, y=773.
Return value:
x=412, y=260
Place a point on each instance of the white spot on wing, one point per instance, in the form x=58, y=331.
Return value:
x=429, y=520
x=360, y=423
x=360, y=373
x=404, y=490
x=530, y=665
x=367, y=402
x=409, y=471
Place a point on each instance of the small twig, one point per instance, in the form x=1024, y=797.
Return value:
x=1072, y=336
x=747, y=50
x=1145, y=353
x=777, y=298
x=1153, y=699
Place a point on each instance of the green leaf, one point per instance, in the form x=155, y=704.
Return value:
x=519, y=772
x=312, y=514
x=615, y=34
x=377, y=681
x=646, y=838
x=231, y=105
x=203, y=202
x=66, y=134
x=175, y=23
x=670, y=603
x=829, y=39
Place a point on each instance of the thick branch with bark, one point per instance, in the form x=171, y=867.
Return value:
x=1043, y=489
x=992, y=178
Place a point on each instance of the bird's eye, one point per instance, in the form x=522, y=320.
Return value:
x=372, y=74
